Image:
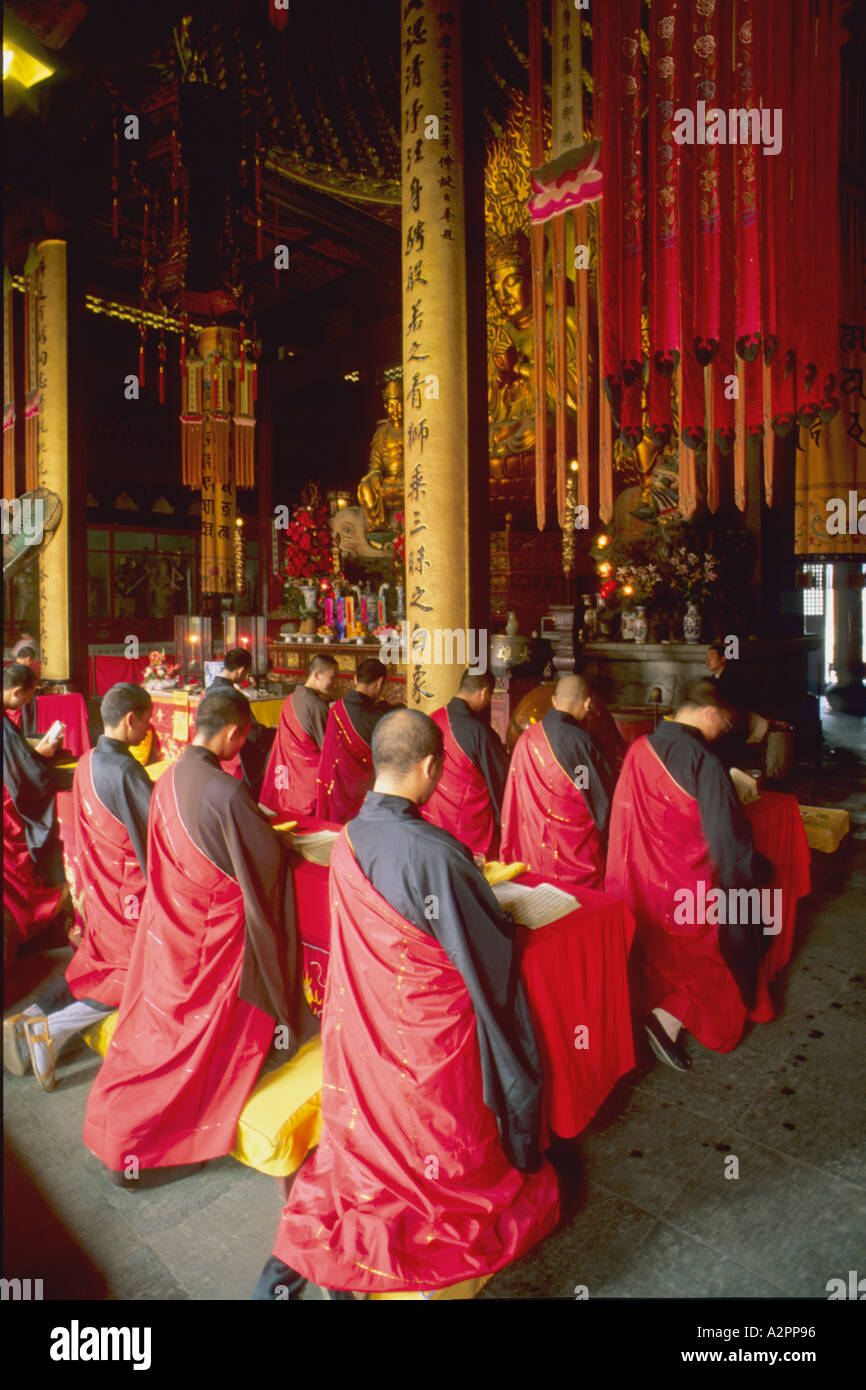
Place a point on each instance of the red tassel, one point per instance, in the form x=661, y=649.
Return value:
x=161, y=372
x=255, y=381
x=242, y=352
x=141, y=360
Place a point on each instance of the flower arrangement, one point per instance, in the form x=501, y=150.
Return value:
x=692, y=574
x=160, y=672
x=639, y=582
x=307, y=547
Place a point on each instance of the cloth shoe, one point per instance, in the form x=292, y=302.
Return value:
x=16, y=1054
x=41, y=1046
x=671, y=1053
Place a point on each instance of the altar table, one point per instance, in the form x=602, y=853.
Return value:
x=173, y=718
x=71, y=709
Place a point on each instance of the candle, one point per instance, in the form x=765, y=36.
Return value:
x=364, y=610
x=341, y=617
x=350, y=615
x=381, y=612
x=329, y=612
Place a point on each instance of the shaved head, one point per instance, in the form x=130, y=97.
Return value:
x=403, y=739
x=571, y=695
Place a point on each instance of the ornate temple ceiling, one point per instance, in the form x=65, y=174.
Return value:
x=318, y=99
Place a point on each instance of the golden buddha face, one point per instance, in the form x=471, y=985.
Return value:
x=394, y=410
x=509, y=282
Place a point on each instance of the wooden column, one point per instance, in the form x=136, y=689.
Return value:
x=52, y=456
x=435, y=360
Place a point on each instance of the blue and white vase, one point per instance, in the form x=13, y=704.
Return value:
x=692, y=623
x=627, y=629
x=639, y=625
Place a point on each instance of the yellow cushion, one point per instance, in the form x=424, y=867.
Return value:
x=99, y=1036
x=825, y=827
x=282, y=1120
x=467, y=1288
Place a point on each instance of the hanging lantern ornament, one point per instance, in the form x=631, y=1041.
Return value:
x=142, y=335
x=219, y=419
x=192, y=397
x=244, y=423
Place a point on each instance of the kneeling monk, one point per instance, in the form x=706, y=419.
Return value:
x=429, y=1168
x=346, y=768
x=677, y=833
x=557, y=796
x=34, y=886
x=468, y=799
x=291, y=776
x=111, y=800
x=214, y=964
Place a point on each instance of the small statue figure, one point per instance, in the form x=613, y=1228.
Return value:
x=381, y=490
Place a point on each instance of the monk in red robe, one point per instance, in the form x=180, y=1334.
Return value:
x=468, y=799
x=429, y=1167
x=34, y=886
x=290, y=785
x=346, y=767
x=557, y=795
x=111, y=801
x=213, y=967
x=681, y=855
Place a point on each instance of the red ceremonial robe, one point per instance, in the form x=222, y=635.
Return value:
x=657, y=848
x=26, y=897
x=294, y=750
x=461, y=802
x=409, y=1187
x=546, y=823
x=112, y=883
x=187, y=1050
x=346, y=769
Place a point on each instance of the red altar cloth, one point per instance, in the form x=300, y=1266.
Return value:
x=779, y=834
x=106, y=671
x=73, y=712
x=576, y=975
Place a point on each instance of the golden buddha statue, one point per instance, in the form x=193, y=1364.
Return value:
x=380, y=491
x=511, y=370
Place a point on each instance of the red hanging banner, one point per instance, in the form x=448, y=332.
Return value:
x=631, y=302
x=536, y=157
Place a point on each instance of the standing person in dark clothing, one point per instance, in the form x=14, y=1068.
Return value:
x=429, y=1168
x=253, y=756
x=111, y=801
x=34, y=887
x=557, y=796
x=291, y=776
x=740, y=746
x=215, y=964
x=346, y=767
x=468, y=799
x=677, y=834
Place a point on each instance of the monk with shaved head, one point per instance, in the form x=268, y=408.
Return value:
x=429, y=1167
x=557, y=797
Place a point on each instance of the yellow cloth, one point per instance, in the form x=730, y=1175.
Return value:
x=825, y=827
x=141, y=751
x=282, y=1120
x=99, y=1036
x=497, y=872
x=157, y=769
x=267, y=712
